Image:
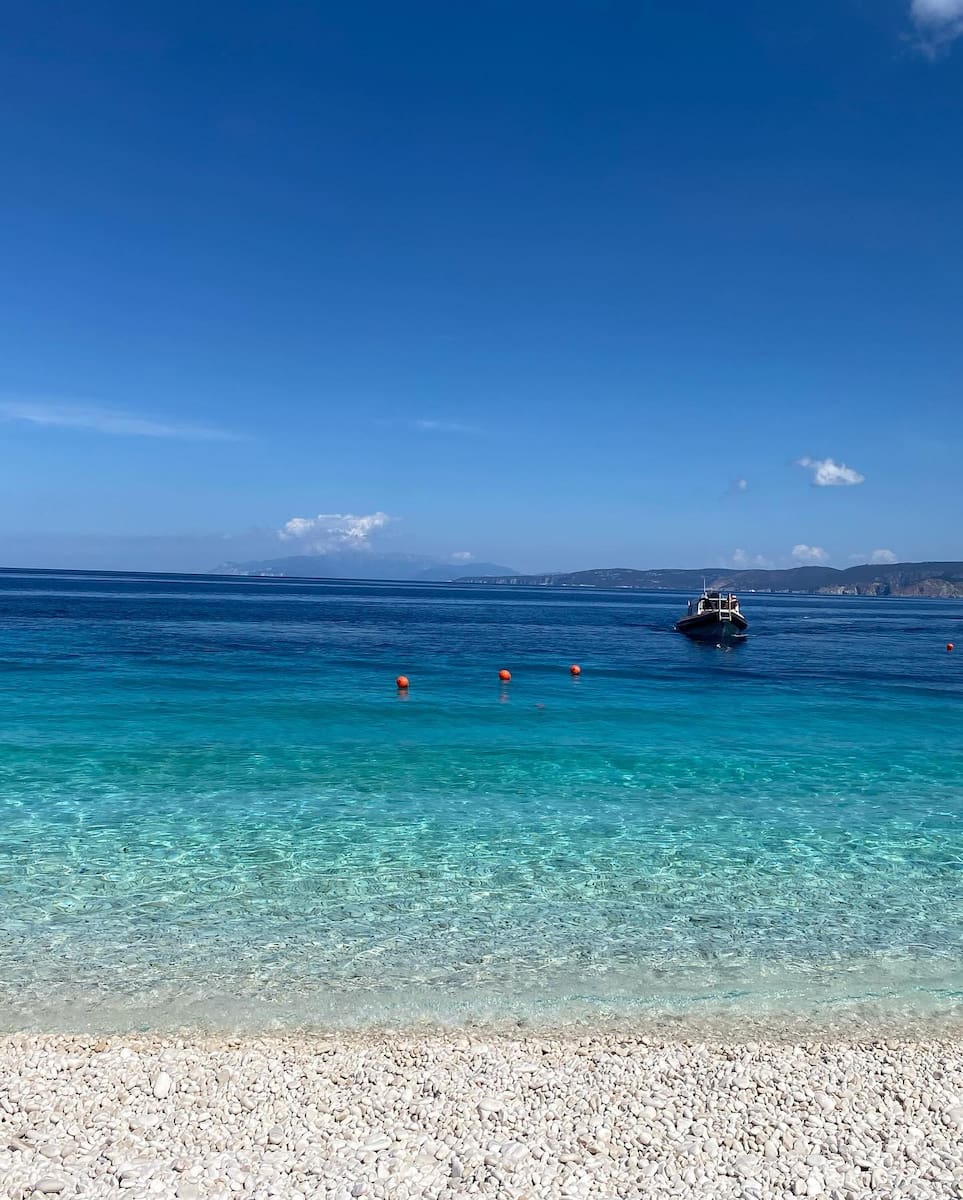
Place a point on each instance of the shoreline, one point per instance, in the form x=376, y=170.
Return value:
x=217, y=1020
x=465, y=1112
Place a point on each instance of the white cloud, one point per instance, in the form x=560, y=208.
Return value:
x=877, y=558
x=431, y=426
x=462, y=556
x=938, y=21
x=741, y=485
x=809, y=555
x=828, y=473
x=744, y=560
x=334, y=531
x=105, y=420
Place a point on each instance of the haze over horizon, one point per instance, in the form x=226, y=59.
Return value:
x=554, y=286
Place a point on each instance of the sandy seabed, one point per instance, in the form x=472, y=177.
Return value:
x=456, y=1114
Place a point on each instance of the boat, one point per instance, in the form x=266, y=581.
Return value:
x=714, y=617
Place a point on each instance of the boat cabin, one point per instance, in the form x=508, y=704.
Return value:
x=714, y=602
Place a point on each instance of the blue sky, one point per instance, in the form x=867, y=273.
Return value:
x=540, y=282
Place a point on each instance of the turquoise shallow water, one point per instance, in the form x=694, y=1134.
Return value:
x=216, y=811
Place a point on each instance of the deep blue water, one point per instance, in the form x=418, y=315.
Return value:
x=217, y=810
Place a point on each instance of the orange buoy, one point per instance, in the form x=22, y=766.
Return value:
x=505, y=676
x=575, y=669
x=949, y=645
x=402, y=682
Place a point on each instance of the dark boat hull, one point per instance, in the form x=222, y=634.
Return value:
x=710, y=628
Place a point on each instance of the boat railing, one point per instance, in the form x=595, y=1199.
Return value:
x=720, y=604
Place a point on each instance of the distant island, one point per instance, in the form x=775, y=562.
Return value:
x=359, y=564
x=935, y=579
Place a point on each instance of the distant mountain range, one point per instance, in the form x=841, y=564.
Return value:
x=895, y=579
x=360, y=564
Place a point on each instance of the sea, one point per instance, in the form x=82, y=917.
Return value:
x=218, y=812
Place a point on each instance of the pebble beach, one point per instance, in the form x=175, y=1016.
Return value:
x=451, y=1114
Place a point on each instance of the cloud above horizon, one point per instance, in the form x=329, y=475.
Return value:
x=937, y=21
x=333, y=531
x=829, y=473
x=809, y=555
x=58, y=415
x=878, y=558
x=744, y=560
